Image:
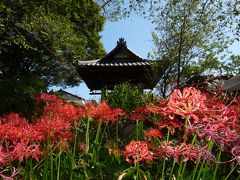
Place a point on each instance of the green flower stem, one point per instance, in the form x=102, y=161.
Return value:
x=96, y=141
x=87, y=135
x=183, y=169
x=200, y=171
x=238, y=178
x=168, y=135
x=164, y=161
x=179, y=175
x=59, y=165
x=117, y=131
x=184, y=166
x=45, y=168
x=185, y=126
x=216, y=167
x=172, y=169
x=73, y=155
x=137, y=168
x=163, y=168
x=232, y=172
x=194, y=139
x=205, y=169
x=210, y=146
x=51, y=166
x=85, y=169
x=52, y=149
x=29, y=168
x=195, y=169
x=137, y=131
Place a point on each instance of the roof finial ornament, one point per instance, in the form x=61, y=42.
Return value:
x=121, y=41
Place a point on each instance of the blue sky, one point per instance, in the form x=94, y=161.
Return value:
x=137, y=33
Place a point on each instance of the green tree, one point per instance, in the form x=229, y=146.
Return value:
x=232, y=67
x=45, y=38
x=117, y=9
x=190, y=39
x=40, y=40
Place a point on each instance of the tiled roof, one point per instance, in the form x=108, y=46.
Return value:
x=99, y=63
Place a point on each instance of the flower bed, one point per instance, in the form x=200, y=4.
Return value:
x=191, y=135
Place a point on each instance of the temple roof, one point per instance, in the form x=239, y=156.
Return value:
x=119, y=65
x=99, y=63
x=121, y=55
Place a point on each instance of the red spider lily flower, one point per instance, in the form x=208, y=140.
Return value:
x=187, y=102
x=21, y=138
x=53, y=129
x=185, y=151
x=53, y=105
x=14, y=119
x=5, y=177
x=164, y=111
x=137, y=151
x=153, y=133
x=103, y=112
x=236, y=153
x=169, y=123
x=139, y=114
x=22, y=150
x=222, y=127
x=15, y=128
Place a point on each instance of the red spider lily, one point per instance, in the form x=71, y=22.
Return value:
x=221, y=126
x=18, y=152
x=5, y=177
x=57, y=120
x=22, y=150
x=139, y=114
x=185, y=151
x=57, y=106
x=14, y=119
x=153, y=133
x=103, y=112
x=137, y=151
x=15, y=128
x=187, y=103
x=169, y=123
x=236, y=153
x=21, y=138
x=53, y=129
x=164, y=111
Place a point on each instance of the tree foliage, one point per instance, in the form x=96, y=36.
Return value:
x=39, y=43
x=229, y=10
x=190, y=39
x=45, y=38
x=114, y=10
x=232, y=66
